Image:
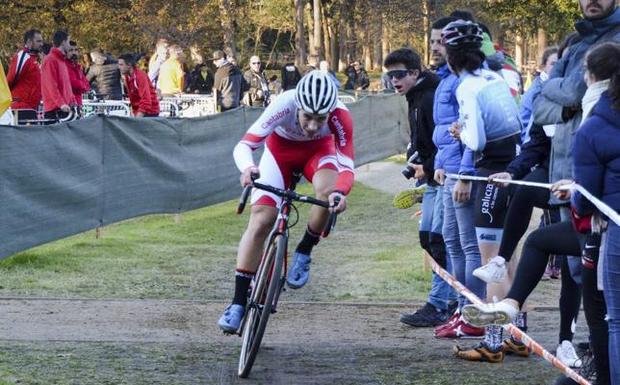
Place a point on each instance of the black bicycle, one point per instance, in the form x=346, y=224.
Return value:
x=268, y=282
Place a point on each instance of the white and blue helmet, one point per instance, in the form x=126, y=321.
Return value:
x=316, y=93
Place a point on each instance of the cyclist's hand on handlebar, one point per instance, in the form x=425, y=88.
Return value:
x=342, y=203
x=247, y=174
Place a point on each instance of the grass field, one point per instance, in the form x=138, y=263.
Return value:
x=372, y=256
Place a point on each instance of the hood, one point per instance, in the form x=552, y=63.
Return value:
x=426, y=81
x=594, y=28
x=605, y=110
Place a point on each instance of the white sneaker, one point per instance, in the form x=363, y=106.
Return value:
x=493, y=272
x=499, y=313
x=567, y=354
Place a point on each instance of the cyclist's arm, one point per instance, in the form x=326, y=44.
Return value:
x=341, y=125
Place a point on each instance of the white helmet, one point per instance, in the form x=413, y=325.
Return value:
x=316, y=93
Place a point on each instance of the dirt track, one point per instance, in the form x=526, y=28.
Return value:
x=60, y=341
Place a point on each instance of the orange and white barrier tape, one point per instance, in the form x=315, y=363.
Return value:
x=510, y=328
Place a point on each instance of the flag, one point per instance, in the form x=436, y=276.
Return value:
x=5, y=92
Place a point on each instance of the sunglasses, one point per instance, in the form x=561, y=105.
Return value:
x=398, y=74
x=257, y=62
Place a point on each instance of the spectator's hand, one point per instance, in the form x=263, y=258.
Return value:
x=561, y=194
x=440, y=176
x=455, y=130
x=140, y=114
x=342, y=204
x=462, y=191
x=65, y=108
x=500, y=175
x=419, y=171
x=246, y=175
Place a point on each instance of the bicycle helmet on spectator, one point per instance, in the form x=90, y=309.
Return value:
x=462, y=34
x=316, y=93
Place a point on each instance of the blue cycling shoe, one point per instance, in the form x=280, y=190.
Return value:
x=300, y=272
x=231, y=319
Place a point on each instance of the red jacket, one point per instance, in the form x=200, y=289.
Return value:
x=142, y=94
x=24, y=80
x=55, y=82
x=79, y=83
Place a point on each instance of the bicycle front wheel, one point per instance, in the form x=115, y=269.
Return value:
x=266, y=286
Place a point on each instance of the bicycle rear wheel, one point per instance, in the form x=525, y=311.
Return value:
x=266, y=286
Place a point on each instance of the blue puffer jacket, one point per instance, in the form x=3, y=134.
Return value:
x=596, y=157
x=452, y=156
x=527, y=106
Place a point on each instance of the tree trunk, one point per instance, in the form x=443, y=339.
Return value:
x=385, y=37
x=367, y=46
x=427, y=29
x=343, y=36
x=519, y=50
x=310, y=21
x=542, y=43
x=378, y=41
x=228, y=27
x=318, y=40
x=300, y=38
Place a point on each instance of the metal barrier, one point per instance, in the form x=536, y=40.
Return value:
x=168, y=108
x=106, y=107
x=192, y=105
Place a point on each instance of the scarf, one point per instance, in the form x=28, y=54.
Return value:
x=591, y=97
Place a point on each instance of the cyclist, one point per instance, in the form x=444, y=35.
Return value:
x=308, y=130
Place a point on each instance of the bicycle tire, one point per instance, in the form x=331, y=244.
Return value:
x=265, y=289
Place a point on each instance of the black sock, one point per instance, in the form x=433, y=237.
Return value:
x=308, y=241
x=242, y=284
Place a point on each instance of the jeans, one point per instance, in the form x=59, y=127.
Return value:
x=461, y=243
x=432, y=220
x=611, y=288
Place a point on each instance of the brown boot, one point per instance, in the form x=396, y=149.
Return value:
x=509, y=346
x=479, y=353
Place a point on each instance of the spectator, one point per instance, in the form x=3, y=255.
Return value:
x=549, y=58
x=104, y=76
x=325, y=67
x=79, y=83
x=275, y=87
x=200, y=80
x=227, y=83
x=58, y=98
x=357, y=77
x=597, y=169
x=171, y=80
x=258, y=86
x=405, y=72
x=142, y=93
x=158, y=58
x=313, y=63
x=290, y=76
x=24, y=76
x=6, y=117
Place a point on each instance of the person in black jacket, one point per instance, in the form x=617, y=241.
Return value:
x=104, y=76
x=404, y=70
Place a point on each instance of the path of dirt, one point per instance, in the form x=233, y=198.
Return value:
x=63, y=341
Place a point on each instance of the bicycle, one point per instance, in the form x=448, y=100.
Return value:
x=268, y=283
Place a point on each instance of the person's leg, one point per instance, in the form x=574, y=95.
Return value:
x=559, y=238
x=570, y=302
x=323, y=182
x=433, y=312
x=450, y=232
x=611, y=285
x=444, y=293
x=595, y=311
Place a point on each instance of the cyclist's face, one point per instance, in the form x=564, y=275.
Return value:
x=311, y=123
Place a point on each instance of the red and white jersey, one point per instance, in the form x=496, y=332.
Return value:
x=280, y=118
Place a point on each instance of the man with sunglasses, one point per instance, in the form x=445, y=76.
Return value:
x=306, y=129
x=259, y=86
x=404, y=71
